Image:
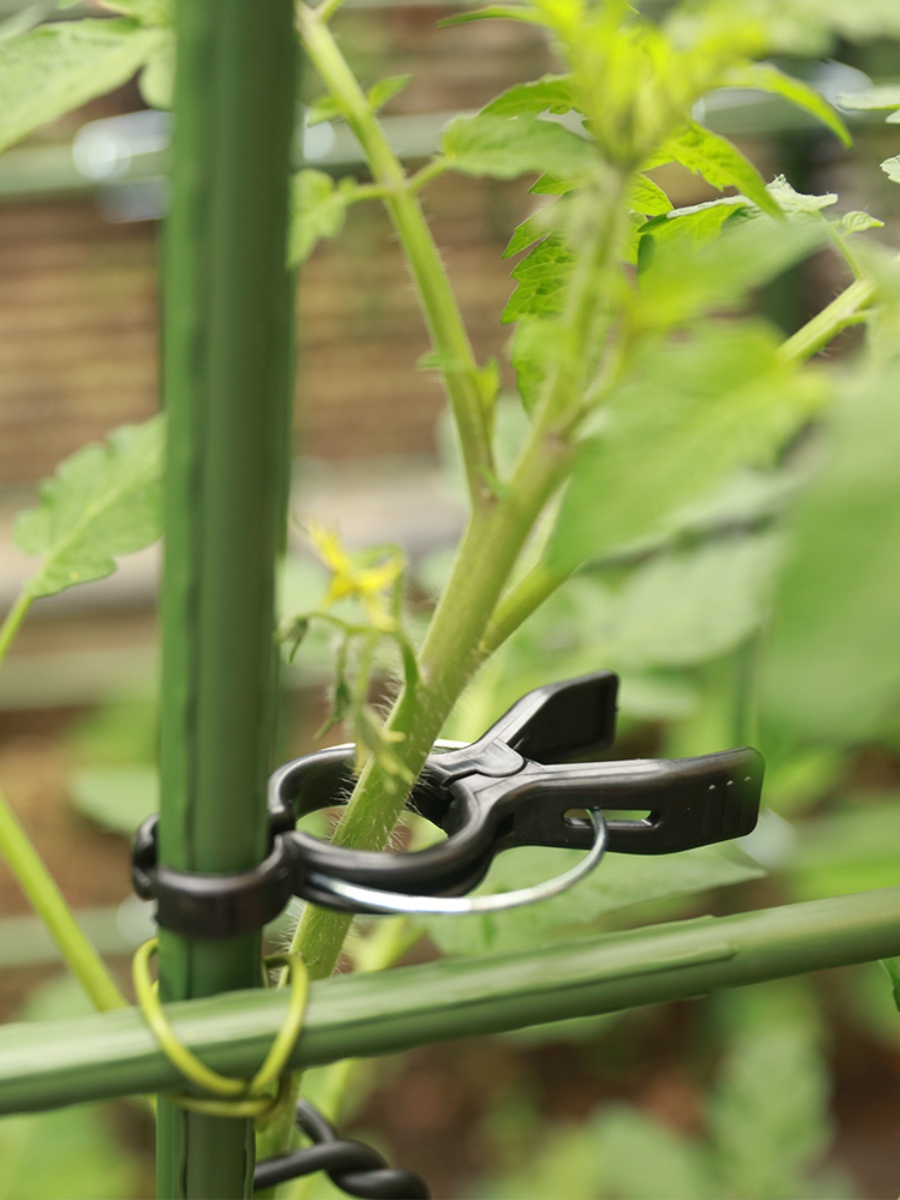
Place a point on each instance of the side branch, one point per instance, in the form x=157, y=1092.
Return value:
x=456, y=359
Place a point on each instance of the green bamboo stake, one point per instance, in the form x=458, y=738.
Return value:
x=113, y=1054
x=227, y=352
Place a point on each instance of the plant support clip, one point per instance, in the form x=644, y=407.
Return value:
x=516, y=786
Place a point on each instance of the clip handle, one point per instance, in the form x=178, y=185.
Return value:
x=695, y=802
x=560, y=721
x=684, y=802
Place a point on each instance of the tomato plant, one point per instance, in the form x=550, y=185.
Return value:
x=629, y=467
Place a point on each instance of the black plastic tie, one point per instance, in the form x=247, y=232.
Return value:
x=352, y=1166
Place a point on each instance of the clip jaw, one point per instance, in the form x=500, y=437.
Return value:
x=515, y=786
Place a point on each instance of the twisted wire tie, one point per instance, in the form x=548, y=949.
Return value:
x=230, y=1097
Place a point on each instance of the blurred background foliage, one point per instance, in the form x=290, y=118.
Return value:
x=769, y=616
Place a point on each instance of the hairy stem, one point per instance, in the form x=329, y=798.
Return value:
x=447, y=661
x=456, y=359
x=490, y=548
x=844, y=310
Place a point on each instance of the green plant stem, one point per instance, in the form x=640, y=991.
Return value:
x=37, y=883
x=445, y=325
x=325, y=11
x=447, y=660
x=520, y=602
x=431, y=171
x=844, y=310
x=13, y=622
x=542, y=581
x=385, y=946
x=48, y=902
x=490, y=548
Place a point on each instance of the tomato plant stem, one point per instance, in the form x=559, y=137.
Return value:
x=455, y=359
x=843, y=311
x=451, y=652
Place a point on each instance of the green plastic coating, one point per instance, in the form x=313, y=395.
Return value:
x=114, y=1054
x=227, y=353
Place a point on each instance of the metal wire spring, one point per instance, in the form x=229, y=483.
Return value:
x=354, y=1167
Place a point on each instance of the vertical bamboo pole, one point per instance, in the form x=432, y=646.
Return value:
x=227, y=354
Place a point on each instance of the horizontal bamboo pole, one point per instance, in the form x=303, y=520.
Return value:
x=65, y=1062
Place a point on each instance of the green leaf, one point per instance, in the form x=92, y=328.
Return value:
x=891, y=168
x=531, y=230
x=621, y=881
x=504, y=149
x=644, y=1159
x=892, y=966
x=848, y=851
x=157, y=80
x=70, y=1153
x=55, y=68
x=719, y=162
x=104, y=501
x=689, y=606
x=830, y=673
x=691, y=414
x=767, y=78
x=858, y=222
x=773, y=1091
x=542, y=278
x=808, y=27
x=535, y=348
x=550, y=185
x=876, y=99
x=73, y=1152
x=505, y=12
x=148, y=12
x=687, y=267
x=116, y=798
x=319, y=209
x=326, y=108
x=552, y=93
x=648, y=197
x=795, y=203
x=386, y=89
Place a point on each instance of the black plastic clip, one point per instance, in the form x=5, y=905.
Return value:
x=515, y=786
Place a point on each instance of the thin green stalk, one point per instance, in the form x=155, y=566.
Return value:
x=520, y=602
x=815, y=335
x=37, y=883
x=48, y=902
x=431, y=171
x=457, y=361
x=13, y=622
x=325, y=11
